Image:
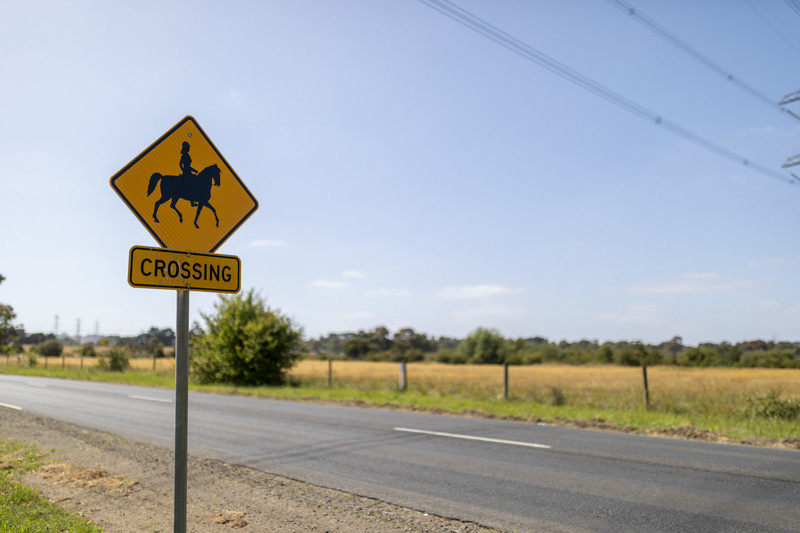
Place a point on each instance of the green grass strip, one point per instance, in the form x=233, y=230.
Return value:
x=706, y=423
x=22, y=509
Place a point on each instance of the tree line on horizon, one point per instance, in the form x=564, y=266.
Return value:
x=488, y=346
x=482, y=346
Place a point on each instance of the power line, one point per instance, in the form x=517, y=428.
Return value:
x=794, y=5
x=502, y=38
x=781, y=35
x=692, y=52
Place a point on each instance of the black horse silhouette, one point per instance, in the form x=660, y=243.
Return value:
x=196, y=189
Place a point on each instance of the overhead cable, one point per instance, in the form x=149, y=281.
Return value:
x=776, y=30
x=695, y=54
x=795, y=5
x=502, y=38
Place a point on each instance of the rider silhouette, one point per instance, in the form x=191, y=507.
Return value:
x=186, y=164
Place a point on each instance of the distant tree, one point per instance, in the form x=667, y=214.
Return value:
x=87, y=350
x=116, y=360
x=50, y=348
x=702, y=355
x=9, y=334
x=357, y=347
x=156, y=349
x=636, y=354
x=379, y=340
x=331, y=344
x=35, y=338
x=484, y=346
x=751, y=346
x=246, y=343
x=605, y=354
x=408, y=345
x=447, y=343
x=196, y=332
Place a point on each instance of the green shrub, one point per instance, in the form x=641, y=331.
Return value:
x=87, y=350
x=246, y=344
x=117, y=360
x=50, y=348
x=771, y=406
x=484, y=346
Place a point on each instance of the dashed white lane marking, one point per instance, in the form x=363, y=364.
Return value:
x=40, y=385
x=473, y=437
x=150, y=398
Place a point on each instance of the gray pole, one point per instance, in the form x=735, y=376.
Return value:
x=505, y=380
x=181, y=410
x=403, y=385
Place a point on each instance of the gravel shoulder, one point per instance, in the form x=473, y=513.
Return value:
x=125, y=486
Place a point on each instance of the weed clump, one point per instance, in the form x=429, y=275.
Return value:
x=772, y=406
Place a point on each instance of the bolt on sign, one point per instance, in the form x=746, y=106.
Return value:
x=183, y=190
x=162, y=268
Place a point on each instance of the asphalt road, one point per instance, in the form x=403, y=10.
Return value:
x=510, y=476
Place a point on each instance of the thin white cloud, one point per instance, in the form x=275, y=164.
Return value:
x=266, y=243
x=772, y=131
x=693, y=283
x=772, y=261
x=633, y=314
x=488, y=311
x=328, y=284
x=473, y=292
x=353, y=274
x=389, y=292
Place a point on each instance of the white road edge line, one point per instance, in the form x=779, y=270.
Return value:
x=472, y=437
x=149, y=398
x=40, y=385
x=10, y=406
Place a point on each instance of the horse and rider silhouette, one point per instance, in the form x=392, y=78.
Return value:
x=190, y=185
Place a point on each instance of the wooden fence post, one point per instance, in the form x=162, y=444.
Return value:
x=505, y=380
x=330, y=373
x=403, y=376
x=646, y=388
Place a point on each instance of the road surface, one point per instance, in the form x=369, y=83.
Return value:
x=506, y=475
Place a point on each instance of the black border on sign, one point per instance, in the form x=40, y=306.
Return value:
x=184, y=253
x=147, y=150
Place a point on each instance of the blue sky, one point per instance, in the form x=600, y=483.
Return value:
x=411, y=172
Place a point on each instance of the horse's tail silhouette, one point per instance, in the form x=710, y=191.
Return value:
x=153, y=182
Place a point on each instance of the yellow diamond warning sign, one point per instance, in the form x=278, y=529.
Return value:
x=184, y=191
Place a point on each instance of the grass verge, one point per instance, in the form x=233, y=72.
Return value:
x=22, y=509
x=707, y=404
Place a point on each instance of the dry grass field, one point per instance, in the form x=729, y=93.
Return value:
x=74, y=361
x=673, y=389
x=746, y=405
x=705, y=391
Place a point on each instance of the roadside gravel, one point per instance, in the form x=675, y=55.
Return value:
x=125, y=487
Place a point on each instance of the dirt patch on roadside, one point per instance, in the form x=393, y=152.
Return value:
x=126, y=487
x=88, y=477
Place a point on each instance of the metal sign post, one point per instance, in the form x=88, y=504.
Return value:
x=181, y=410
x=186, y=260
